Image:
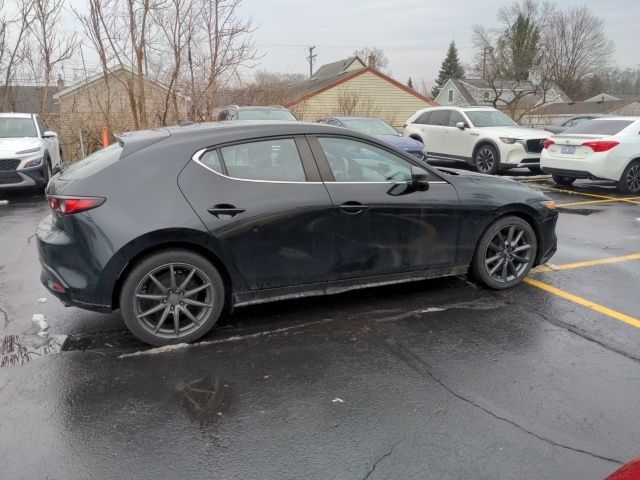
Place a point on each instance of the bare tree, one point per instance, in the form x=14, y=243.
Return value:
x=14, y=54
x=576, y=47
x=52, y=45
x=354, y=103
x=374, y=57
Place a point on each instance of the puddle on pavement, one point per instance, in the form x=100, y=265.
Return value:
x=578, y=211
x=206, y=399
x=19, y=349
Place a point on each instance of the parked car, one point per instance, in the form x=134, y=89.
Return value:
x=176, y=225
x=379, y=129
x=480, y=136
x=607, y=148
x=28, y=151
x=567, y=123
x=274, y=112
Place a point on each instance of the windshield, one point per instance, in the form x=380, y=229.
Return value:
x=12, y=127
x=489, y=118
x=265, y=114
x=599, y=127
x=370, y=126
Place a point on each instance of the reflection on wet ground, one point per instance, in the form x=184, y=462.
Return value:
x=18, y=349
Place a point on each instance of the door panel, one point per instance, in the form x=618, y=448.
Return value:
x=382, y=225
x=277, y=233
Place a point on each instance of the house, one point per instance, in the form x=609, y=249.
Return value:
x=31, y=99
x=351, y=88
x=556, y=112
x=467, y=92
x=110, y=101
x=606, y=97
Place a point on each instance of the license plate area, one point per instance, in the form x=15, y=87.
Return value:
x=568, y=149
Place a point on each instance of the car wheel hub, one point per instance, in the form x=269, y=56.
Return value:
x=508, y=254
x=633, y=178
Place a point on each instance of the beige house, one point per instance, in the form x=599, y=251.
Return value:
x=110, y=101
x=351, y=88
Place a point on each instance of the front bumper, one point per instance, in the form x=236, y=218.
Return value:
x=548, y=239
x=26, y=178
x=515, y=155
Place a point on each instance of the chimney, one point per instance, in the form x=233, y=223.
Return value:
x=60, y=82
x=371, y=61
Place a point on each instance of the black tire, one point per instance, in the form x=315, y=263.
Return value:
x=486, y=159
x=535, y=170
x=563, y=181
x=630, y=180
x=146, y=307
x=516, y=258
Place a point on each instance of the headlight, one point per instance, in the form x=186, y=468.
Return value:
x=31, y=150
x=511, y=141
x=36, y=162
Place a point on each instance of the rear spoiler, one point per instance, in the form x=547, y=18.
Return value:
x=132, y=142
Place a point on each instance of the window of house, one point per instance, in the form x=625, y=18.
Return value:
x=451, y=95
x=353, y=161
x=486, y=95
x=270, y=160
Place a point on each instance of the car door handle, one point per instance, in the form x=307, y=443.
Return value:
x=353, y=208
x=224, y=209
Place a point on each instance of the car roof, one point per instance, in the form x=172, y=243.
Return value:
x=356, y=118
x=613, y=117
x=256, y=107
x=16, y=115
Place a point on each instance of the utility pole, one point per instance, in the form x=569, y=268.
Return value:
x=312, y=59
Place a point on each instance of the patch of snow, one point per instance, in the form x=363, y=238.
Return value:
x=157, y=350
x=337, y=400
x=40, y=321
x=4, y=202
x=42, y=300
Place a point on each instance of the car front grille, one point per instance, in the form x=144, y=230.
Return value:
x=8, y=179
x=9, y=164
x=535, y=145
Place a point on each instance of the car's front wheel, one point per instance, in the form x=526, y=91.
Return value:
x=487, y=159
x=563, y=181
x=172, y=296
x=630, y=179
x=505, y=253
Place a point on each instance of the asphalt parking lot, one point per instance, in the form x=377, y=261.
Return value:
x=438, y=379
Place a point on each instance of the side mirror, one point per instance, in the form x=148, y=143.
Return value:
x=419, y=179
x=49, y=134
x=59, y=168
x=461, y=125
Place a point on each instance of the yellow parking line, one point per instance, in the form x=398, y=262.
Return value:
x=573, y=192
x=587, y=263
x=584, y=302
x=589, y=202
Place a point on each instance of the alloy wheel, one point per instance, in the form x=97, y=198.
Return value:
x=633, y=178
x=173, y=300
x=508, y=254
x=485, y=160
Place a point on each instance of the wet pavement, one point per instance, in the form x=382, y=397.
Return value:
x=438, y=379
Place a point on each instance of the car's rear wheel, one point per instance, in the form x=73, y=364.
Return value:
x=563, y=181
x=487, y=160
x=173, y=296
x=630, y=179
x=505, y=253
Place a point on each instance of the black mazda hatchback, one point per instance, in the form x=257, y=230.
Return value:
x=175, y=226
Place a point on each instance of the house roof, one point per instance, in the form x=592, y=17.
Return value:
x=464, y=92
x=580, y=108
x=618, y=96
x=331, y=69
x=98, y=77
x=311, y=87
x=28, y=99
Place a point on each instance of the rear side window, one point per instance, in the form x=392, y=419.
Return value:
x=93, y=163
x=440, y=118
x=599, y=127
x=271, y=160
x=423, y=119
x=211, y=160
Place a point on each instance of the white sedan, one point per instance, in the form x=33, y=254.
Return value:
x=605, y=148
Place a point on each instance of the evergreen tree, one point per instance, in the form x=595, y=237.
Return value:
x=451, y=68
x=410, y=83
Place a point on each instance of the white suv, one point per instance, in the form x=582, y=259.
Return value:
x=28, y=151
x=481, y=136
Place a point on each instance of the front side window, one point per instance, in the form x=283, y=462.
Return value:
x=12, y=127
x=41, y=125
x=489, y=118
x=270, y=160
x=455, y=118
x=353, y=161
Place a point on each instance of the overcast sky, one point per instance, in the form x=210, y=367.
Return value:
x=413, y=33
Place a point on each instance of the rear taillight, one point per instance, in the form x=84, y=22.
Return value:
x=548, y=142
x=601, y=145
x=69, y=205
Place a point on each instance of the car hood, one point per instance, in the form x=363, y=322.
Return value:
x=12, y=145
x=457, y=175
x=518, y=132
x=401, y=142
